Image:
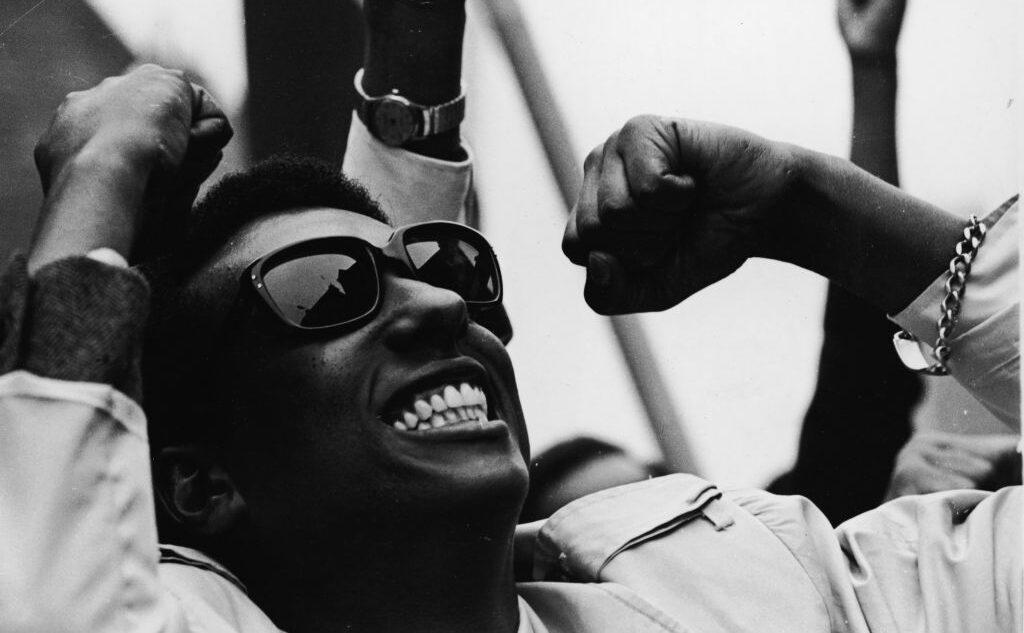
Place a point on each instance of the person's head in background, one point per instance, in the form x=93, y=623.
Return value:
x=576, y=468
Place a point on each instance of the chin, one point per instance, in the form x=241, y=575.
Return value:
x=487, y=485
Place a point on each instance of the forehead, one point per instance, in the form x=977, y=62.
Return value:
x=218, y=278
x=266, y=234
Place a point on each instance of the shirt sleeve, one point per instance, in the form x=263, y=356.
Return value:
x=949, y=561
x=409, y=187
x=78, y=539
x=77, y=530
x=986, y=338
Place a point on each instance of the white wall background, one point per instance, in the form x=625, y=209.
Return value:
x=740, y=358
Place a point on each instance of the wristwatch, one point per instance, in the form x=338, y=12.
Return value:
x=395, y=120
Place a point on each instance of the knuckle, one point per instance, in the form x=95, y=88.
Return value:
x=612, y=210
x=598, y=303
x=593, y=159
x=570, y=243
x=637, y=125
x=148, y=67
x=69, y=101
x=588, y=226
x=41, y=152
x=645, y=185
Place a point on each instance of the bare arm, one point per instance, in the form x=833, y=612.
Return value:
x=709, y=196
x=860, y=414
x=870, y=29
x=702, y=198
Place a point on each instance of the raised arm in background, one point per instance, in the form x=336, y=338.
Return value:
x=415, y=49
x=861, y=411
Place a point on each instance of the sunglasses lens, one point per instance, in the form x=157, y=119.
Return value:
x=455, y=263
x=323, y=289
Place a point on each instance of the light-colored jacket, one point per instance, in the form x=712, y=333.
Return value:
x=78, y=547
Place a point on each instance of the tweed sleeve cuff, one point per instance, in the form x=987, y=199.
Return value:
x=76, y=319
x=13, y=301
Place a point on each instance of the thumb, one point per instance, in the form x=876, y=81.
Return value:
x=993, y=446
x=607, y=289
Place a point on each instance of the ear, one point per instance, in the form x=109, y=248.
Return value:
x=196, y=491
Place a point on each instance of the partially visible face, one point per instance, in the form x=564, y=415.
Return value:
x=315, y=448
x=597, y=473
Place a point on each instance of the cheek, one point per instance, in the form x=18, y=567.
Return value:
x=310, y=379
x=485, y=347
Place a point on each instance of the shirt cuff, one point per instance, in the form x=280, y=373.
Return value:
x=992, y=285
x=408, y=186
x=985, y=342
x=108, y=256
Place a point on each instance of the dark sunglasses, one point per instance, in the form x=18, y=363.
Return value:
x=335, y=282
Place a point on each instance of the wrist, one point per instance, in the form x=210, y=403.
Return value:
x=414, y=47
x=778, y=237
x=873, y=61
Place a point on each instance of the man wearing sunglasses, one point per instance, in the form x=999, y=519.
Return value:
x=338, y=439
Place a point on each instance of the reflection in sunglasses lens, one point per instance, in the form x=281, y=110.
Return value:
x=454, y=264
x=323, y=289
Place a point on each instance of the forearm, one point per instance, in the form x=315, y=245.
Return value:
x=92, y=203
x=71, y=317
x=872, y=238
x=873, y=144
x=415, y=46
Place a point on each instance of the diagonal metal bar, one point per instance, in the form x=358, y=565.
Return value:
x=507, y=20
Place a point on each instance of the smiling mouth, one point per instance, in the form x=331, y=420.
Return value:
x=443, y=406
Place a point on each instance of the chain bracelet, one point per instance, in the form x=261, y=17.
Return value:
x=956, y=282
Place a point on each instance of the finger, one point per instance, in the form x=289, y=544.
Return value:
x=571, y=247
x=992, y=446
x=959, y=461
x=650, y=150
x=608, y=289
x=194, y=172
x=881, y=10
x=639, y=238
x=615, y=205
x=938, y=481
x=210, y=130
x=580, y=230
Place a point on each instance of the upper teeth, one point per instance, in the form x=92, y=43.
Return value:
x=442, y=406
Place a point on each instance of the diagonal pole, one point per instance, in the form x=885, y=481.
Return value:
x=508, y=22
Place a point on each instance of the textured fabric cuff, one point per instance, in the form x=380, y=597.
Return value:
x=84, y=323
x=410, y=187
x=14, y=288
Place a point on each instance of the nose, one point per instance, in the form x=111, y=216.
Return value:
x=420, y=315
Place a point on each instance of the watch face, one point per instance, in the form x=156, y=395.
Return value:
x=393, y=121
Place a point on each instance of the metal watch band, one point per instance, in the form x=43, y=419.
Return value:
x=395, y=120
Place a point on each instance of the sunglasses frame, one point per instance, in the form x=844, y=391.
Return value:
x=394, y=249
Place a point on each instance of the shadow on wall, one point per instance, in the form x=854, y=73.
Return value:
x=51, y=48
x=46, y=51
